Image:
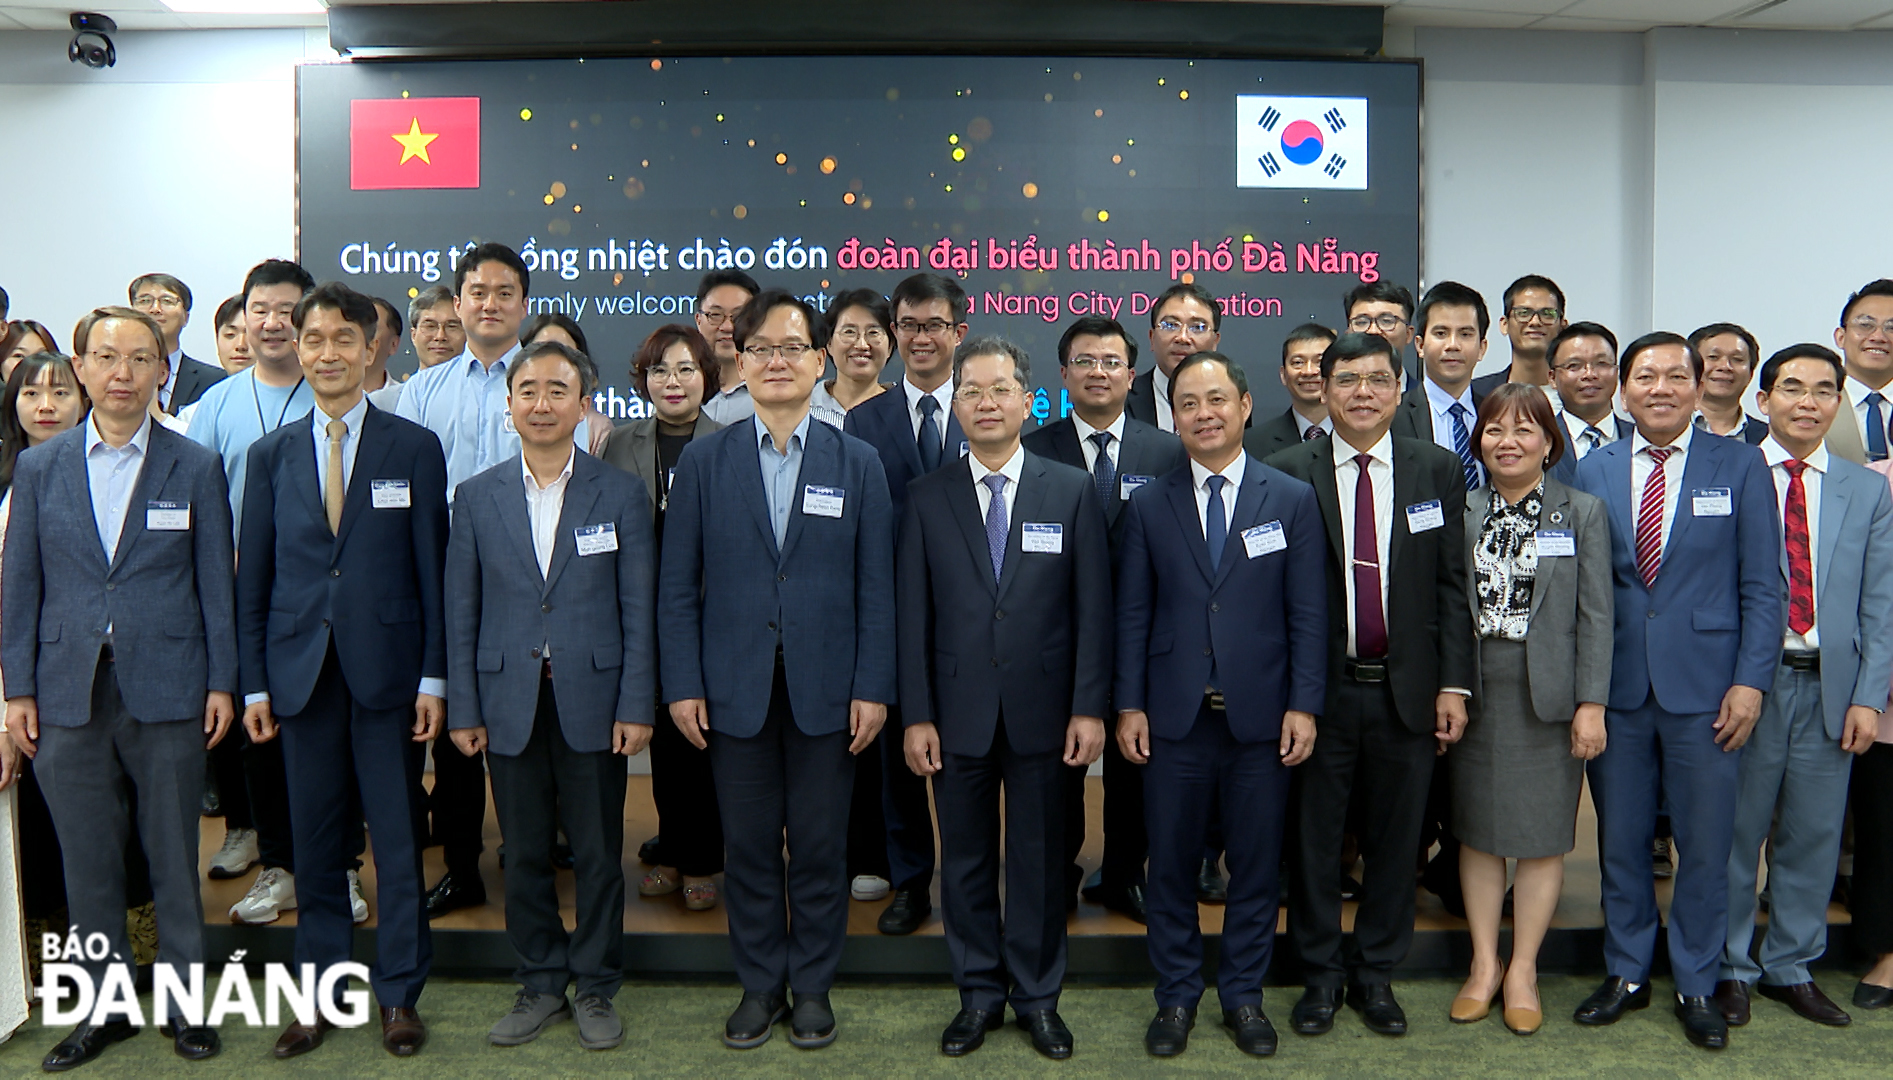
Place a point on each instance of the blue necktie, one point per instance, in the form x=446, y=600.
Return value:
x=1103, y=473
x=1462, y=445
x=1593, y=438
x=1215, y=527
x=996, y=527
x=1876, y=427
x=929, y=434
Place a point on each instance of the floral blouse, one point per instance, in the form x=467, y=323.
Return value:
x=1505, y=562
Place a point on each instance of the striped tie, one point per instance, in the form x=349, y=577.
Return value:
x=1650, y=518
x=1462, y=445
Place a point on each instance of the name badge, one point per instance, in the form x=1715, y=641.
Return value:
x=1424, y=516
x=1555, y=542
x=1711, y=502
x=1127, y=484
x=1265, y=538
x=596, y=539
x=167, y=516
x=822, y=501
x=389, y=494
x=1042, y=539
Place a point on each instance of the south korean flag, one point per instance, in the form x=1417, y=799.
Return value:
x=1301, y=142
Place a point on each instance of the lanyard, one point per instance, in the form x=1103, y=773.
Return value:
x=257, y=400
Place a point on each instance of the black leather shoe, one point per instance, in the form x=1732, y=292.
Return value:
x=1350, y=887
x=86, y=1042
x=907, y=913
x=1254, y=1034
x=193, y=1043
x=1126, y=900
x=1169, y=1034
x=1808, y=1003
x=1210, y=886
x=967, y=1032
x=1378, y=1009
x=651, y=852
x=754, y=1019
x=1314, y=1013
x=812, y=1023
x=1869, y=996
x=1608, y=1003
x=1049, y=1034
x=1703, y=1022
x=1731, y=998
x=452, y=892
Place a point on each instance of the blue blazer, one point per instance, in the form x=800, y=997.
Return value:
x=727, y=595
x=881, y=422
x=376, y=583
x=597, y=611
x=1717, y=613
x=167, y=596
x=1261, y=622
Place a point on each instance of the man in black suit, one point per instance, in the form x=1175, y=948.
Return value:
x=1400, y=667
x=1385, y=309
x=1095, y=359
x=1003, y=557
x=1532, y=315
x=1729, y=356
x=1184, y=319
x=342, y=642
x=168, y=300
x=1442, y=407
x=1583, y=359
x=1307, y=414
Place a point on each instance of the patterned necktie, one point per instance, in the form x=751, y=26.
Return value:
x=1370, y=622
x=1794, y=520
x=1876, y=427
x=1313, y=433
x=1462, y=444
x=1215, y=522
x=1593, y=438
x=333, y=487
x=1103, y=473
x=996, y=527
x=929, y=438
x=1650, y=518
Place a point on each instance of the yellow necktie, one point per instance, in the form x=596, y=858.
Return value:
x=333, y=489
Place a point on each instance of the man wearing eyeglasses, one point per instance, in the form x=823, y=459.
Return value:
x=168, y=300
x=1532, y=314
x=1583, y=359
x=1307, y=414
x=1729, y=355
x=1865, y=338
x=1385, y=310
x=1184, y=319
x=720, y=295
x=1095, y=359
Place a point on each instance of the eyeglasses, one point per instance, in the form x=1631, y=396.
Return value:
x=791, y=352
x=431, y=327
x=1527, y=314
x=152, y=301
x=1387, y=322
x=715, y=317
x=931, y=328
x=1794, y=391
x=848, y=335
x=1867, y=324
x=664, y=374
x=1110, y=365
x=1196, y=327
x=136, y=361
x=1379, y=381
x=1592, y=367
x=972, y=395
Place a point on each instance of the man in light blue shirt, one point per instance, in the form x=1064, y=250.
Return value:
x=779, y=470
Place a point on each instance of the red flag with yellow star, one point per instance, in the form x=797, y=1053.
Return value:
x=396, y=143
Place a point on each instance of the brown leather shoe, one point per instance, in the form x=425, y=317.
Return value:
x=299, y=1039
x=402, y=1032
x=1807, y=1001
x=1731, y=998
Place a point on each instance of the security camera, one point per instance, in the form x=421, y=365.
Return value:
x=89, y=44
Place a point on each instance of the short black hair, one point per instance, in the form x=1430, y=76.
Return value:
x=1095, y=326
x=1879, y=287
x=1717, y=329
x=1454, y=294
x=717, y=278
x=1578, y=330
x=537, y=349
x=1195, y=292
x=1807, y=350
x=1308, y=331
x=756, y=312
x=390, y=315
x=1533, y=281
x=163, y=281
x=6, y=304
x=919, y=288
x=538, y=324
x=994, y=345
x=230, y=311
x=352, y=306
x=1352, y=346
x=1382, y=291
x=492, y=251
x=276, y=272
x=1650, y=341
x=1211, y=357
x=875, y=304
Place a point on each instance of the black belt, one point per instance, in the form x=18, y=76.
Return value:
x=1366, y=671
x=1801, y=659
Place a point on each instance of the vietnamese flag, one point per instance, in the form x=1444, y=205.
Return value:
x=413, y=143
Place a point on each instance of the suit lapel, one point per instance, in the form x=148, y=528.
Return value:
x=1182, y=485
x=818, y=455
x=743, y=458
x=79, y=498
x=1843, y=437
x=1698, y=468
x=1244, y=515
x=1025, y=507
x=581, y=494
x=159, y=461
x=1617, y=457
x=1834, y=500
x=1556, y=513
x=301, y=465
x=895, y=414
x=377, y=439
x=509, y=502
x=1406, y=492
x=954, y=437
x=963, y=505
x=1328, y=496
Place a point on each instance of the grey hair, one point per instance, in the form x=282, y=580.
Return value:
x=428, y=298
x=993, y=345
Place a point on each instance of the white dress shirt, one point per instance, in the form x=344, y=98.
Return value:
x=112, y=474
x=1857, y=392
x=1441, y=406
x=351, y=442
x=165, y=389
x=1346, y=477
x=942, y=394
x=1576, y=426
x=1160, y=383
x=543, y=507
x=1200, y=474
x=1085, y=443
x=1010, y=470
x=1775, y=453
x=1640, y=465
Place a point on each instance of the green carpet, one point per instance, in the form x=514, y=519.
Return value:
x=893, y=1031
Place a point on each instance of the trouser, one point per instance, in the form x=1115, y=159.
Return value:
x=546, y=786
x=1125, y=844
x=909, y=815
x=92, y=775
x=233, y=793
x=685, y=797
x=1872, y=930
x=457, y=807
x=867, y=817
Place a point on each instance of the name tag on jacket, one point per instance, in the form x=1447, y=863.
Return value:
x=1042, y=539
x=1711, y=502
x=596, y=539
x=818, y=501
x=1424, y=516
x=390, y=494
x=1264, y=538
x=1128, y=483
x=167, y=516
x=1555, y=542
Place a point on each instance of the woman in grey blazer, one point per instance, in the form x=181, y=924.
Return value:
x=1539, y=585
x=675, y=371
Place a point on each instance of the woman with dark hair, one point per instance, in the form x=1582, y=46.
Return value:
x=860, y=338
x=552, y=326
x=23, y=338
x=676, y=372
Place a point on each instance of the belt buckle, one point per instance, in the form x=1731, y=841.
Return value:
x=1214, y=699
x=1369, y=671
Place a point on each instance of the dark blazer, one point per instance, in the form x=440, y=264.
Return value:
x=881, y=422
x=633, y=448
x=1717, y=613
x=1485, y=384
x=596, y=612
x=1031, y=650
x=193, y=378
x=1413, y=418
x=1145, y=451
x=376, y=583
x=1277, y=433
x=827, y=596
x=1142, y=403
x=167, y=596
x=1566, y=470
x=1429, y=629
x=1260, y=622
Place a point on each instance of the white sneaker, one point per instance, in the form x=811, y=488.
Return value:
x=357, y=906
x=272, y=893
x=869, y=887
x=238, y=853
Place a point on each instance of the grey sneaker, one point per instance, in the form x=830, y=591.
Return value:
x=532, y=1013
x=598, y=1025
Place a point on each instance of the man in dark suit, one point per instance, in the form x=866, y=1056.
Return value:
x=1729, y=356
x=1583, y=359
x=1003, y=555
x=120, y=535
x=1307, y=414
x=1217, y=736
x=1184, y=319
x=915, y=432
x=552, y=552
x=1400, y=667
x=343, y=642
x=781, y=659
x=1386, y=309
x=1442, y=407
x=1531, y=316
x=1096, y=358
x=168, y=300
x=1695, y=541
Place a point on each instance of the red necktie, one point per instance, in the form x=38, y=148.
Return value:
x=1370, y=623
x=1650, y=518
x=1800, y=565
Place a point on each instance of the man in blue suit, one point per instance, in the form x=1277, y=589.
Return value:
x=552, y=552
x=1696, y=557
x=781, y=660
x=915, y=432
x=1222, y=645
x=343, y=642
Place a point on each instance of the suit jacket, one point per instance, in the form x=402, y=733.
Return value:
x=596, y=611
x=193, y=378
x=1414, y=416
x=1844, y=437
x=1146, y=451
x=1277, y=433
x=1853, y=577
x=167, y=596
x=1142, y=403
x=1430, y=642
x=727, y=597
x=1566, y=470
x=1260, y=622
x=1485, y=384
x=633, y=448
x=881, y=422
x=374, y=585
x=1717, y=613
x=1568, y=639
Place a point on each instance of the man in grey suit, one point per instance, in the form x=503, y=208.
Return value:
x=120, y=535
x=551, y=553
x=1837, y=653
